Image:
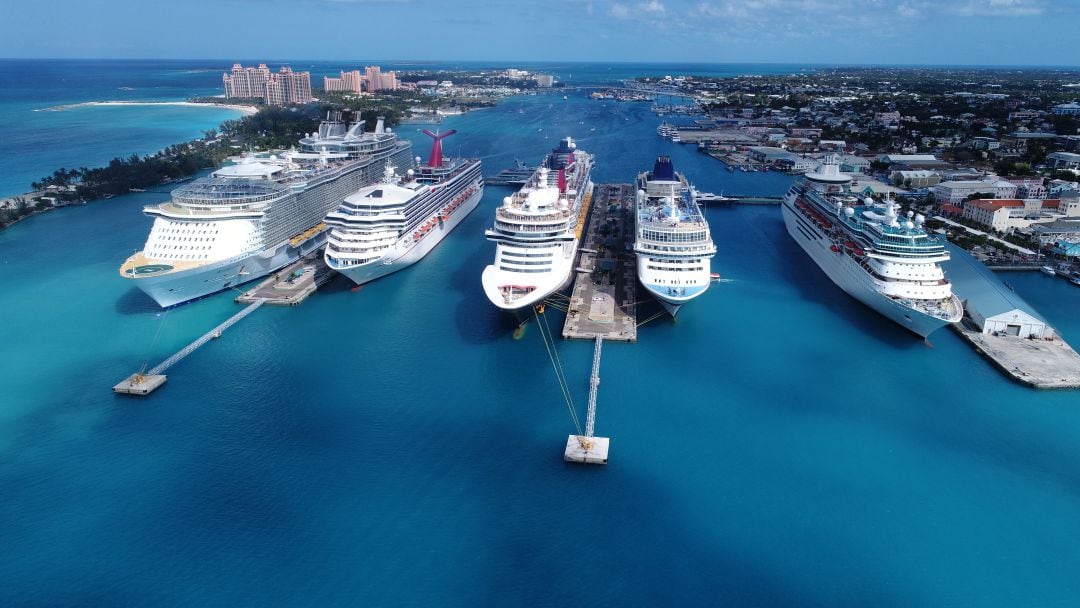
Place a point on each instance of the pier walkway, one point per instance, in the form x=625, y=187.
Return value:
x=604, y=299
x=588, y=448
x=141, y=383
x=210, y=335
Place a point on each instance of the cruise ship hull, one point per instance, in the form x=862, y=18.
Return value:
x=672, y=299
x=849, y=276
x=543, y=285
x=175, y=288
x=403, y=254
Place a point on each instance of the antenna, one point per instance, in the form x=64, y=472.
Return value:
x=435, y=160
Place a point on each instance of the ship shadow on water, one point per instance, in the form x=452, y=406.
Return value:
x=135, y=302
x=478, y=320
x=796, y=268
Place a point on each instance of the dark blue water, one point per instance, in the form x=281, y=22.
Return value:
x=779, y=445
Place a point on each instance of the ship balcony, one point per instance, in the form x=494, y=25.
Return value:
x=531, y=229
x=562, y=216
x=183, y=212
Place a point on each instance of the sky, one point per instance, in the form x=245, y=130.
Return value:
x=941, y=32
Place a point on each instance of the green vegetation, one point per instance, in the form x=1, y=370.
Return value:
x=270, y=127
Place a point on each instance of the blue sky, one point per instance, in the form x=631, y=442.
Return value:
x=981, y=32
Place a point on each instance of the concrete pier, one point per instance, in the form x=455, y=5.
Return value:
x=604, y=299
x=1035, y=363
x=291, y=285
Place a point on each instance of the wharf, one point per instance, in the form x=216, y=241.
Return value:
x=1035, y=363
x=603, y=302
x=291, y=285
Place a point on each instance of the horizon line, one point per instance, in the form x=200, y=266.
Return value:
x=501, y=62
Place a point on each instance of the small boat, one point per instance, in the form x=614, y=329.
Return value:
x=1075, y=281
x=1049, y=270
x=714, y=276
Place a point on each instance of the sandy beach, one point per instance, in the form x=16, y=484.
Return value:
x=247, y=110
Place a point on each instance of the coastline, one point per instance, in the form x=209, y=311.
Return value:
x=245, y=109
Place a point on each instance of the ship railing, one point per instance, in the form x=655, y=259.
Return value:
x=220, y=211
x=561, y=216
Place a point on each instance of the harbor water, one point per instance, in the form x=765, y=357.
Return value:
x=778, y=445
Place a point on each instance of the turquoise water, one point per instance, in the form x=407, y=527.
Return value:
x=45, y=128
x=779, y=445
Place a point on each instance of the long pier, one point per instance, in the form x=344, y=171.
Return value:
x=145, y=383
x=603, y=302
x=588, y=448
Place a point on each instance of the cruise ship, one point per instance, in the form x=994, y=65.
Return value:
x=253, y=217
x=387, y=226
x=537, y=230
x=671, y=237
x=887, y=262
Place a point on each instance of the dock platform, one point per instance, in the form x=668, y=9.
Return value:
x=604, y=299
x=291, y=285
x=1035, y=363
x=139, y=384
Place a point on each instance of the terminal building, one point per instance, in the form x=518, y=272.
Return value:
x=992, y=307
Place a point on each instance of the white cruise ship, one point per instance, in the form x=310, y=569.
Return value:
x=537, y=230
x=385, y=227
x=671, y=237
x=251, y=218
x=890, y=264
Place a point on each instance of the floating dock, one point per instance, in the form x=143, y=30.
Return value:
x=291, y=285
x=603, y=302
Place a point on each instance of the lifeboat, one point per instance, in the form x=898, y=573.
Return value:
x=835, y=248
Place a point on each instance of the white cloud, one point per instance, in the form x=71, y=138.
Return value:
x=995, y=8
x=641, y=10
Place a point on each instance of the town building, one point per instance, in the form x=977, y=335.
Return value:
x=1028, y=187
x=921, y=178
x=545, y=80
x=1064, y=160
x=1067, y=109
x=283, y=88
x=956, y=192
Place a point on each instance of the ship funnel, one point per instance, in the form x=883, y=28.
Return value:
x=663, y=170
x=435, y=160
x=380, y=125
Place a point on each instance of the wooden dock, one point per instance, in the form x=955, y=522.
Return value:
x=603, y=302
